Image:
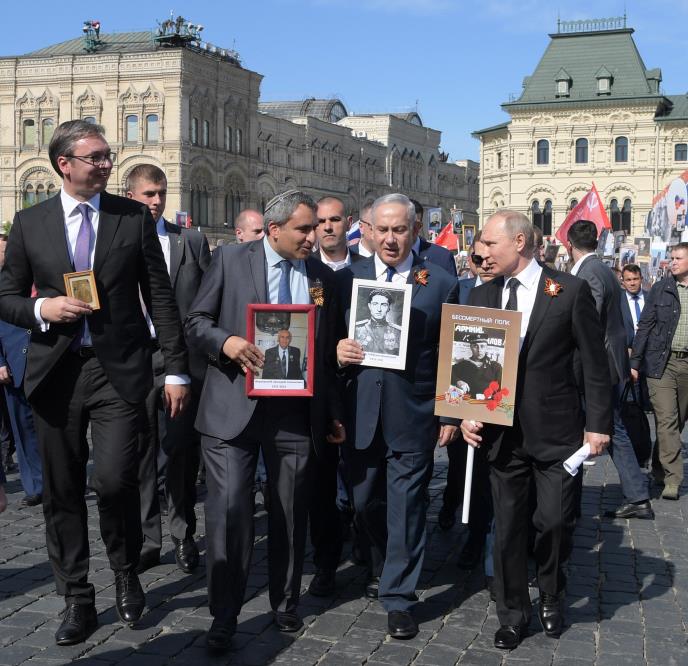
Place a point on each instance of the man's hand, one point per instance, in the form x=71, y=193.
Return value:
x=176, y=398
x=241, y=351
x=634, y=374
x=5, y=376
x=448, y=433
x=598, y=443
x=337, y=433
x=349, y=352
x=64, y=309
x=470, y=431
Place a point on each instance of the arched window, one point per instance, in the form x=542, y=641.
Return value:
x=621, y=149
x=29, y=198
x=536, y=214
x=626, y=216
x=547, y=219
x=239, y=141
x=615, y=215
x=48, y=129
x=41, y=194
x=581, y=151
x=90, y=119
x=152, y=128
x=681, y=152
x=573, y=203
x=29, y=133
x=132, y=129
x=228, y=138
x=543, y=151
x=206, y=133
x=194, y=131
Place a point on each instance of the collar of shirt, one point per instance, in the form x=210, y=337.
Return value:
x=402, y=269
x=336, y=265
x=478, y=281
x=577, y=265
x=528, y=277
x=631, y=297
x=273, y=258
x=70, y=204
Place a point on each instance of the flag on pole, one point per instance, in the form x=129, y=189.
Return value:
x=447, y=238
x=589, y=208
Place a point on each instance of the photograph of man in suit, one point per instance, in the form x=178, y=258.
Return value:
x=282, y=361
x=474, y=374
x=87, y=366
x=170, y=447
x=377, y=334
x=234, y=427
x=390, y=415
x=558, y=323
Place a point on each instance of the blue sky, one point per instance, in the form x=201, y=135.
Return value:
x=456, y=60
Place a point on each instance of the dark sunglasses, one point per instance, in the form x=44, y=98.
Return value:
x=477, y=259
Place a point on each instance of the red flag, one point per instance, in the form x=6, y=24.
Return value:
x=447, y=238
x=589, y=208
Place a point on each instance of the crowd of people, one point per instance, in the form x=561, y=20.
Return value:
x=157, y=368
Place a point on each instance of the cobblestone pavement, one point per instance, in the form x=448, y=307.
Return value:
x=627, y=600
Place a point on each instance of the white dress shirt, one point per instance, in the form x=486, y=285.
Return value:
x=298, y=279
x=336, y=265
x=631, y=306
x=400, y=275
x=526, y=293
x=364, y=251
x=577, y=265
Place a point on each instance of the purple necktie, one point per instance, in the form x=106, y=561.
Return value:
x=82, y=261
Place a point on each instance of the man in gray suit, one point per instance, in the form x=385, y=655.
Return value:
x=170, y=448
x=277, y=269
x=582, y=237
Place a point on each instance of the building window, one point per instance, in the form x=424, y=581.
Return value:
x=573, y=203
x=681, y=152
x=48, y=129
x=536, y=214
x=29, y=135
x=288, y=159
x=239, y=141
x=228, y=139
x=621, y=149
x=615, y=215
x=29, y=198
x=581, y=151
x=563, y=88
x=626, y=216
x=603, y=86
x=132, y=129
x=324, y=165
x=152, y=128
x=334, y=167
x=268, y=155
x=206, y=133
x=547, y=219
x=499, y=160
x=313, y=162
x=543, y=151
x=194, y=133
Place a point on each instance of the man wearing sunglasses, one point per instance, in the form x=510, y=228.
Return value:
x=90, y=365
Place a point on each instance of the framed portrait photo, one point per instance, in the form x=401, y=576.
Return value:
x=82, y=285
x=286, y=336
x=379, y=321
x=643, y=245
x=628, y=255
x=468, y=232
x=478, y=363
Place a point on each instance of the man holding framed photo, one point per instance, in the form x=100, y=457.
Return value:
x=393, y=429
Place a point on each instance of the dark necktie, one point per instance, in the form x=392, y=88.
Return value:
x=82, y=261
x=284, y=363
x=390, y=273
x=512, y=301
x=284, y=291
x=636, y=300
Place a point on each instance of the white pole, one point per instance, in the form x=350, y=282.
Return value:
x=470, y=453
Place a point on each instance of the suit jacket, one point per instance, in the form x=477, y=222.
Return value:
x=628, y=317
x=548, y=419
x=465, y=287
x=14, y=344
x=608, y=294
x=237, y=276
x=403, y=401
x=127, y=257
x=437, y=255
x=189, y=259
x=273, y=365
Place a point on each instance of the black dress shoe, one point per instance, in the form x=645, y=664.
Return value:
x=148, y=561
x=642, y=510
x=288, y=621
x=220, y=634
x=129, y=597
x=401, y=625
x=446, y=518
x=550, y=614
x=323, y=583
x=508, y=637
x=186, y=554
x=470, y=555
x=32, y=500
x=79, y=622
x=372, y=587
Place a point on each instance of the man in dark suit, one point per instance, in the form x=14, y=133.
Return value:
x=90, y=366
x=282, y=361
x=390, y=416
x=364, y=247
x=429, y=251
x=170, y=448
x=559, y=320
x=634, y=302
x=277, y=269
x=582, y=238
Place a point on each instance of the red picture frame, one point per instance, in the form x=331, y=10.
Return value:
x=264, y=321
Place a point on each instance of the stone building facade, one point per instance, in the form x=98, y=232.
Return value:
x=590, y=112
x=168, y=98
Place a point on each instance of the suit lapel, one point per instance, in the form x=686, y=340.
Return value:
x=177, y=248
x=494, y=295
x=540, y=308
x=256, y=263
x=55, y=229
x=108, y=223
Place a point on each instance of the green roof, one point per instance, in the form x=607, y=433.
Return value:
x=114, y=42
x=493, y=128
x=678, y=109
x=582, y=56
